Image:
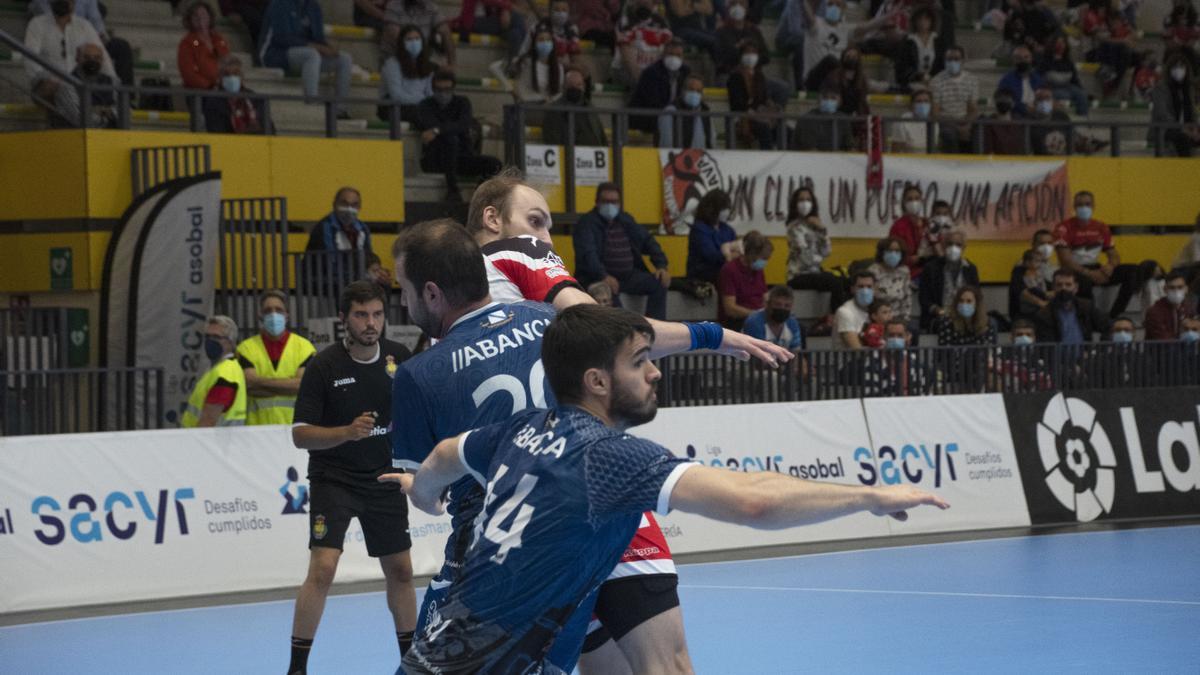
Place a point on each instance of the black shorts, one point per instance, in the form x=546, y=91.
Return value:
x=382, y=513
x=624, y=604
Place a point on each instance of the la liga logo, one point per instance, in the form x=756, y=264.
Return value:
x=1078, y=458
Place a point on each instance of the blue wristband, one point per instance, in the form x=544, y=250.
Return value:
x=706, y=335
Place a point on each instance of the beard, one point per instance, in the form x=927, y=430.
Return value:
x=629, y=410
x=365, y=338
x=421, y=317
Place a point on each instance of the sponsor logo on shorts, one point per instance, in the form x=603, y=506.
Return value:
x=319, y=528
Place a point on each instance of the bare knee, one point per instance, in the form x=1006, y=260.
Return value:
x=322, y=568
x=397, y=568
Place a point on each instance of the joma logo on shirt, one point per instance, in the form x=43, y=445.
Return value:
x=344, y=381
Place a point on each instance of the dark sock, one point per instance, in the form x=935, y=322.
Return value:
x=405, y=639
x=300, y=651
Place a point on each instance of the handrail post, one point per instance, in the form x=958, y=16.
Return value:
x=1115, y=140
x=617, y=158
x=569, y=164
x=330, y=119
x=85, y=104
x=394, y=121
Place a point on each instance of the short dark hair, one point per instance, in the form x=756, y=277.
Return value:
x=942, y=204
x=710, y=206
x=371, y=259
x=1033, y=240
x=583, y=337
x=779, y=291
x=896, y=322
x=956, y=48
x=345, y=188
x=1119, y=319
x=495, y=191
x=1022, y=322
x=1027, y=256
x=443, y=252
x=1173, y=275
x=445, y=75
x=861, y=274
x=607, y=186
x=1064, y=272
x=884, y=244
x=360, y=292
x=1081, y=193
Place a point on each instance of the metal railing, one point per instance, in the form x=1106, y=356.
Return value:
x=253, y=256
x=708, y=379
x=320, y=276
x=33, y=338
x=786, y=127
x=62, y=401
x=151, y=167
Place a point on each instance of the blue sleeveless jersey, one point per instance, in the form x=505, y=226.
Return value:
x=564, y=496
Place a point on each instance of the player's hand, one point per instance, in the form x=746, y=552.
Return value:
x=894, y=500
x=404, y=480
x=361, y=427
x=664, y=277
x=743, y=347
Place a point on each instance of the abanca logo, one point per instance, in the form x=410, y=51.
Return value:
x=1078, y=458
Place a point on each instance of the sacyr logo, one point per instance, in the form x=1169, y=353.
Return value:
x=1078, y=457
x=910, y=462
x=120, y=516
x=293, y=502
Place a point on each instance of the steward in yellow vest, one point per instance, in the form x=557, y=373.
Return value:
x=219, y=398
x=273, y=362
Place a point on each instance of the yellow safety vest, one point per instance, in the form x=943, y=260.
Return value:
x=228, y=370
x=274, y=409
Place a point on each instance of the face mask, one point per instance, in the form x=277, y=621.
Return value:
x=778, y=315
x=896, y=343
x=413, y=47
x=953, y=253
x=864, y=296
x=559, y=18
x=804, y=208
x=941, y=222
x=347, y=214
x=891, y=258
x=1190, y=336
x=213, y=349
x=60, y=8
x=1045, y=107
x=691, y=98
x=1178, y=73
x=1064, y=298
x=1004, y=106
x=231, y=83
x=544, y=48
x=833, y=14
x=749, y=60
x=274, y=323
x=1084, y=213
x=828, y=105
x=913, y=207
x=1023, y=67
x=1046, y=250
x=443, y=98
x=922, y=109
x=573, y=96
x=608, y=211
x=1175, y=297
x=737, y=12
x=966, y=310
x=758, y=265
x=1023, y=340
x=90, y=67
x=724, y=215
x=954, y=67
x=672, y=63
x=1122, y=337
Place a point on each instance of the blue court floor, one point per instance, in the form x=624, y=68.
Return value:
x=1098, y=602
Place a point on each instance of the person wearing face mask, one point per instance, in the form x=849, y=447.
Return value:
x=819, y=129
x=542, y=81
x=1164, y=319
x=642, y=39
x=425, y=15
x=609, y=246
x=854, y=313
x=711, y=240
x=914, y=232
x=1069, y=319
x=1022, y=366
x=564, y=33
x=1191, y=334
x=103, y=110
x=341, y=230
x=445, y=121
x=273, y=362
x=775, y=323
x=219, y=397
x=118, y=51
x=1022, y=82
x=659, y=85
x=918, y=53
x=735, y=32
x=1057, y=68
x=998, y=132
x=749, y=93
x=200, y=50
x=1052, y=137
x=589, y=131
x=914, y=136
x=895, y=370
x=693, y=131
x=238, y=115
x=955, y=96
x=742, y=282
x=1080, y=240
x=943, y=276
x=965, y=321
x=808, y=246
x=408, y=75
x=694, y=21
x=1028, y=289
x=1173, y=103
x=829, y=34
x=56, y=36
x=893, y=281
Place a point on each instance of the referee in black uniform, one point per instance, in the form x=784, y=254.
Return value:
x=342, y=415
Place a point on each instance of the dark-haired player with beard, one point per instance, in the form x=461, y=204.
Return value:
x=566, y=489
x=342, y=419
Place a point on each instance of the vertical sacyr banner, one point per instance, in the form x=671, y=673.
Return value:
x=159, y=281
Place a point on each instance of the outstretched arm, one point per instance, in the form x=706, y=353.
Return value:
x=439, y=470
x=771, y=501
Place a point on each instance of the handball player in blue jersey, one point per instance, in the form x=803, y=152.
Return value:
x=565, y=489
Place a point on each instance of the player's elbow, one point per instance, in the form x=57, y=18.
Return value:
x=752, y=508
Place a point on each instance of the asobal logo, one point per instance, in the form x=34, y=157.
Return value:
x=1078, y=458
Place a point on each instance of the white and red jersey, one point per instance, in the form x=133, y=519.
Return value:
x=525, y=268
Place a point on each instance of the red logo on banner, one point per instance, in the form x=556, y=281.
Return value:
x=874, y=152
